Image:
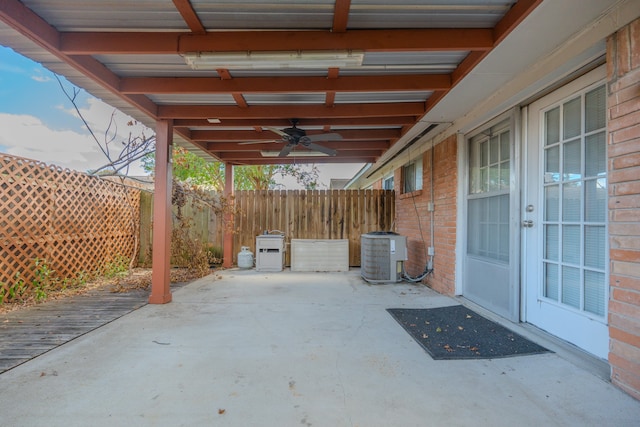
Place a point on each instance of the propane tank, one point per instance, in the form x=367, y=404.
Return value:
x=245, y=257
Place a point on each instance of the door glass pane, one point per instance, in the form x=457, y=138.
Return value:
x=488, y=227
x=552, y=203
x=484, y=153
x=504, y=175
x=494, y=177
x=552, y=242
x=552, y=165
x=504, y=146
x=494, y=149
x=484, y=180
x=594, y=292
x=596, y=154
x=571, y=201
x=552, y=284
x=571, y=244
x=552, y=126
x=571, y=118
x=571, y=286
x=595, y=106
x=572, y=162
x=595, y=200
x=594, y=246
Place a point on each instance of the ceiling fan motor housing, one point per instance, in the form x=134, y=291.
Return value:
x=295, y=132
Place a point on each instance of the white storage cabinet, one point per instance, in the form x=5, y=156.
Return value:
x=319, y=255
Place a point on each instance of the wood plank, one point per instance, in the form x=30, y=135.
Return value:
x=32, y=331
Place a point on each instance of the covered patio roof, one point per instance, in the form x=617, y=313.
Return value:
x=229, y=80
x=383, y=66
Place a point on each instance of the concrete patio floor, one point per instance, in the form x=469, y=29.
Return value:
x=245, y=348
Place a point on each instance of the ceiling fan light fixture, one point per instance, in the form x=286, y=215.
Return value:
x=269, y=153
x=273, y=60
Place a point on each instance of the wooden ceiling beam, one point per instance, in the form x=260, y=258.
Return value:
x=246, y=155
x=302, y=160
x=288, y=84
x=290, y=111
x=335, y=122
x=336, y=145
x=240, y=135
x=426, y=39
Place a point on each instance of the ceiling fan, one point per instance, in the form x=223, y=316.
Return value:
x=295, y=136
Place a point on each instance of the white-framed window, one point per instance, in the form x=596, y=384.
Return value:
x=387, y=183
x=412, y=176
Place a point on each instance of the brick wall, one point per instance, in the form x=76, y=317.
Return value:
x=623, y=60
x=414, y=218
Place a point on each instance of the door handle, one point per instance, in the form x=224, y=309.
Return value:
x=527, y=223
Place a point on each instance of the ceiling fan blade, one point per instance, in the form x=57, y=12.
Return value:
x=285, y=150
x=276, y=131
x=322, y=137
x=320, y=148
x=265, y=141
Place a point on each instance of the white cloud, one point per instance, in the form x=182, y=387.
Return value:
x=27, y=136
x=40, y=77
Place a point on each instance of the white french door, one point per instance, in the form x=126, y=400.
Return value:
x=565, y=251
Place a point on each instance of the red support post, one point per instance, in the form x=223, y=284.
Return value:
x=227, y=259
x=160, y=281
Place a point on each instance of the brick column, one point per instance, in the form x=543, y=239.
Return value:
x=623, y=74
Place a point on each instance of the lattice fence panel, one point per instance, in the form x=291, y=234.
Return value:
x=75, y=222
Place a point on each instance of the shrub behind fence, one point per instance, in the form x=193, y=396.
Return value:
x=75, y=222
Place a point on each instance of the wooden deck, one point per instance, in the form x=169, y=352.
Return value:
x=32, y=331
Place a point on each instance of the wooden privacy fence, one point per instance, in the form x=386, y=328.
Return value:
x=75, y=222
x=206, y=226
x=315, y=214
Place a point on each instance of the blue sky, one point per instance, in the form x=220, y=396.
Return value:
x=38, y=121
x=28, y=88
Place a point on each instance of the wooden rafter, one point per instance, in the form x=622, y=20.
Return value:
x=285, y=122
x=249, y=135
x=336, y=145
x=190, y=16
x=341, y=15
x=292, y=159
x=288, y=111
x=331, y=83
x=247, y=155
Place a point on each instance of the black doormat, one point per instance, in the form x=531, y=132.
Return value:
x=456, y=332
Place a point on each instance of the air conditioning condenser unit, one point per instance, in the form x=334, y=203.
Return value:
x=382, y=255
